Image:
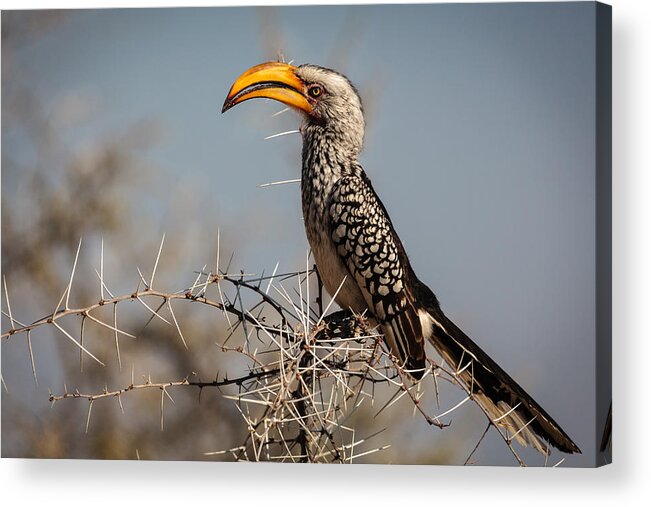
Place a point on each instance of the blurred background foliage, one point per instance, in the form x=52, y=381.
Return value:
x=90, y=191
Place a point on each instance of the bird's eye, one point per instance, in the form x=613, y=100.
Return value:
x=315, y=91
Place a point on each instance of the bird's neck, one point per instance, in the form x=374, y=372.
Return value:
x=326, y=158
x=329, y=152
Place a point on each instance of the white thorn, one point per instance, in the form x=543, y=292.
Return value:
x=283, y=134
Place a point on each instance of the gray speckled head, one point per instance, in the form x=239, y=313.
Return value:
x=338, y=109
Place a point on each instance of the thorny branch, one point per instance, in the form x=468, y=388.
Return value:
x=308, y=371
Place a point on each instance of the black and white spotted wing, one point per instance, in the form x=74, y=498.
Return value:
x=371, y=251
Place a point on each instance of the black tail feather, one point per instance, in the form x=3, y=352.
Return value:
x=491, y=386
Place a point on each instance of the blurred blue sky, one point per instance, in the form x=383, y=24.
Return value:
x=480, y=142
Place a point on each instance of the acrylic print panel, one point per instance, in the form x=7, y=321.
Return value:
x=161, y=297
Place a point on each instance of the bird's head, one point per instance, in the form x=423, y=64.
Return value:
x=327, y=99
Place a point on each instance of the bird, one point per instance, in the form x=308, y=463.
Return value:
x=360, y=258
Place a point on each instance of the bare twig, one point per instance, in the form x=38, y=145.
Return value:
x=308, y=371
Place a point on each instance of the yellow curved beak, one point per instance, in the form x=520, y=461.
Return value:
x=271, y=80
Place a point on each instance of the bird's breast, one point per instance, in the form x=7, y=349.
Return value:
x=315, y=193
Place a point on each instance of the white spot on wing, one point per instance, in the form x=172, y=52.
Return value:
x=425, y=323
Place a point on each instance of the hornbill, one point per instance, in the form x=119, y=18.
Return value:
x=360, y=258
